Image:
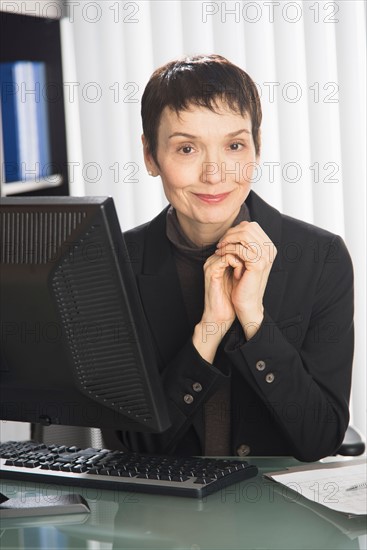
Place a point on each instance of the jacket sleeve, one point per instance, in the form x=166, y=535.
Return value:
x=188, y=381
x=307, y=386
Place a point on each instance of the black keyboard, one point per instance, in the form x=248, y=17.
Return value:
x=106, y=469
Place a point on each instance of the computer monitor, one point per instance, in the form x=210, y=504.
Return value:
x=75, y=346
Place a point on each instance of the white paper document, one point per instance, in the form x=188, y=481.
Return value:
x=328, y=485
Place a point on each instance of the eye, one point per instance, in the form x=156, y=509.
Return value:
x=186, y=149
x=236, y=146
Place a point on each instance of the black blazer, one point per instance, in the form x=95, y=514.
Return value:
x=305, y=344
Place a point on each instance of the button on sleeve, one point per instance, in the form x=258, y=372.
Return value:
x=243, y=450
x=188, y=399
x=260, y=365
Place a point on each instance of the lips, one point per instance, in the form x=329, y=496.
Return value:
x=212, y=198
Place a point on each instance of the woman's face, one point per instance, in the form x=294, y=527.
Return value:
x=206, y=162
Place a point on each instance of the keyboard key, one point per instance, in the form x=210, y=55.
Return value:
x=31, y=464
x=73, y=449
x=203, y=480
x=128, y=473
x=179, y=478
x=66, y=467
x=78, y=469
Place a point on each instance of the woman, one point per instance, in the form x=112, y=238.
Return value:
x=251, y=311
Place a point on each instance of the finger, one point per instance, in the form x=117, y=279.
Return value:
x=233, y=262
x=254, y=239
x=222, y=261
x=245, y=231
x=244, y=237
x=249, y=252
x=239, y=271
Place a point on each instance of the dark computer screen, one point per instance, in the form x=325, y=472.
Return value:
x=75, y=347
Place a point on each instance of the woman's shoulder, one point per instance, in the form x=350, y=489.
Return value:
x=140, y=231
x=136, y=232
x=144, y=240
x=290, y=226
x=291, y=233
x=293, y=225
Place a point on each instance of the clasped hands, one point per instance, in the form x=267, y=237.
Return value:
x=235, y=279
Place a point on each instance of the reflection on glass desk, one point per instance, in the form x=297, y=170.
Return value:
x=256, y=513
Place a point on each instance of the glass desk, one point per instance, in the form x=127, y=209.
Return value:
x=255, y=514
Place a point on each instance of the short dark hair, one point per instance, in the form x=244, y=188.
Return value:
x=200, y=80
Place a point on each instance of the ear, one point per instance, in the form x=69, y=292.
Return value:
x=148, y=158
x=259, y=153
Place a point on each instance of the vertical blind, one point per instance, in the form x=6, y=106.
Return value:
x=308, y=60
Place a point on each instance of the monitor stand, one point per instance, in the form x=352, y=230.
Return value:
x=33, y=506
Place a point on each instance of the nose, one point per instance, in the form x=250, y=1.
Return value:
x=211, y=168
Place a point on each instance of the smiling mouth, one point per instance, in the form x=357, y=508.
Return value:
x=212, y=198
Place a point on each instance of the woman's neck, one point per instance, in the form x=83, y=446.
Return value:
x=203, y=234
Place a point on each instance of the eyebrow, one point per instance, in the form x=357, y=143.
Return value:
x=190, y=136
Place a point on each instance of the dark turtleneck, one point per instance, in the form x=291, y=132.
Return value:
x=189, y=259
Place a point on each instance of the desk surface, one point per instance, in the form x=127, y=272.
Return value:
x=255, y=514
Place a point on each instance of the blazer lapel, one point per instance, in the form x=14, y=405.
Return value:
x=168, y=320
x=270, y=221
